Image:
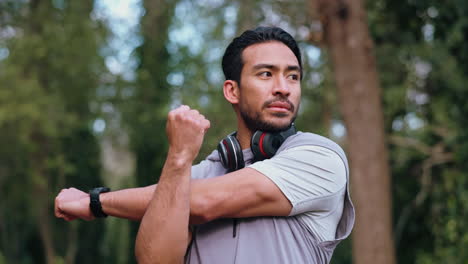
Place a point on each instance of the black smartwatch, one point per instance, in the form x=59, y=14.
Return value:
x=95, y=203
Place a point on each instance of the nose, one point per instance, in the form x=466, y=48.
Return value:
x=281, y=87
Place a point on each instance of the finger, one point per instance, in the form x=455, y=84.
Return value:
x=191, y=114
x=57, y=212
x=61, y=214
x=183, y=108
x=56, y=206
x=206, y=125
x=194, y=112
x=179, y=111
x=69, y=218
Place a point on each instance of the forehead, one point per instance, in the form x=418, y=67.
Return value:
x=271, y=52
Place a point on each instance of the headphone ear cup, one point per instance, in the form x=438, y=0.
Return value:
x=288, y=132
x=230, y=153
x=264, y=145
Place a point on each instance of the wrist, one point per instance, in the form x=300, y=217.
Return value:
x=108, y=203
x=179, y=159
x=85, y=201
x=95, y=201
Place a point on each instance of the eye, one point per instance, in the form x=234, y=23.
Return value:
x=294, y=77
x=265, y=74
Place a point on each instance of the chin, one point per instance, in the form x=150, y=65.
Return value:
x=267, y=122
x=274, y=125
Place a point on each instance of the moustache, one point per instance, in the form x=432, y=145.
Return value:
x=279, y=100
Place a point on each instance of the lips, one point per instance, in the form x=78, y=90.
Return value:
x=280, y=105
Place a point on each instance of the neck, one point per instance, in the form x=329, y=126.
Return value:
x=244, y=135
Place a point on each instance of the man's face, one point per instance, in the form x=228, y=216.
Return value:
x=270, y=89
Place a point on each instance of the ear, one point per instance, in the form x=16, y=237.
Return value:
x=231, y=91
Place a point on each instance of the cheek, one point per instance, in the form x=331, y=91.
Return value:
x=296, y=100
x=249, y=101
x=297, y=94
x=254, y=92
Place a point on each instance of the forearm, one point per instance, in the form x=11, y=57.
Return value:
x=163, y=234
x=127, y=203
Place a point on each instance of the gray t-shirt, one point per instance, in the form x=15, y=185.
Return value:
x=312, y=172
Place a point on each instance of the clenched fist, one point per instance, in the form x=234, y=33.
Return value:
x=72, y=203
x=185, y=130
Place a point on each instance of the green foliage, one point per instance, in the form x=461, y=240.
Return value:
x=422, y=63
x=48, y=81
x=148, y=107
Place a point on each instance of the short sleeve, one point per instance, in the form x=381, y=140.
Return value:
x=309, y=176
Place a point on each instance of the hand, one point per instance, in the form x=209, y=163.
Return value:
x=72, y=203
x=185, y=129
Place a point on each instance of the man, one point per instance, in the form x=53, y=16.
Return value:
x=242, y=204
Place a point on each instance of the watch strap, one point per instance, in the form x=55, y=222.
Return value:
x=95, y=202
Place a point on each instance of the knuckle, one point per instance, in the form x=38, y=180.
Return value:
x=172, y=115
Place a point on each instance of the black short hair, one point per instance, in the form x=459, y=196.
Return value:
x=232, y=60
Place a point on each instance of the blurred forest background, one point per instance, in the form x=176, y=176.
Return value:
x=84, y=94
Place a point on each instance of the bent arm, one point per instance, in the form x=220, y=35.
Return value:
x=128, y=203
x=163, y=235
x=243, y=193
x=292, y=182
x=240, y=194
x=72, y=203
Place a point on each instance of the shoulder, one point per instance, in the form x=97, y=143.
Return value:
x=309, y=172
x=307, y=140
x=311, y=160
x=308, y=157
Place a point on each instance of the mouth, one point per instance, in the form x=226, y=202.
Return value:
x=280, y=106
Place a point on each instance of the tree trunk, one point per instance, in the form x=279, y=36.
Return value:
x=347, y=38
x=45, y=230
x=41, y=198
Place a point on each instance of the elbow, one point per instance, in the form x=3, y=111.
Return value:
x=139, y=258
x=148, y=257
x=145, y=250
x=141, y=255
x=145, y=254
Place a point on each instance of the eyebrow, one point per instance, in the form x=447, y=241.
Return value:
x=271, y=66
x=293, y=68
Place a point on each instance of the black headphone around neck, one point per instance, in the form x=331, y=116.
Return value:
x=263, y=145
